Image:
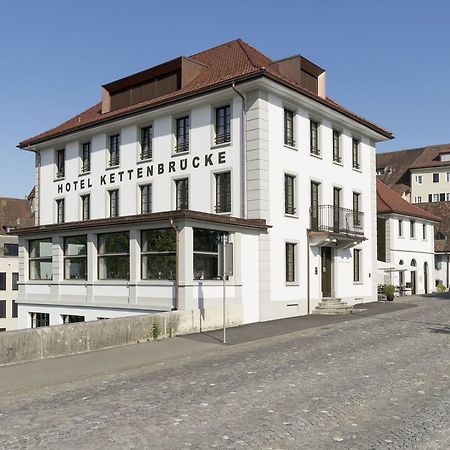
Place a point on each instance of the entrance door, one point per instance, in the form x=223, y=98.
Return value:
x=413, y=277
x=326, y=271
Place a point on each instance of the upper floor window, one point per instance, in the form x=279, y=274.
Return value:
x=418, y=179
x=223, y=125
x=447, y=176
x=435, y=177
x=2, y=281
x=158, y=255
x=86, y=157
x=424, y=231
x=337, y=146
x=223, y=192
x=182, y=193
x=114, y=150
x=10, y=249
x=400, y=228
x=75, y=258
x=182, y=135
x=60, y=210
x=114, y=203
x=85, y=207
x=355, y=154
x=15, y=282
x=40, y=259
x=60, y=163
x=412, y=229
x=418, y=199
x=314, y=138
x=356, y=209
x=289, y=128
x=146, y=199
x=146, y=143
x=114, y=256
x=356, y=265
x=435, y=197
x=290, y=262
x=289, y=194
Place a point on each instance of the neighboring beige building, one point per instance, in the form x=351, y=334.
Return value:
x=14, y=213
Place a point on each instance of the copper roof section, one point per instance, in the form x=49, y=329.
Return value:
x=233, y=61
x=389, y=202
x=165, y=216
x=15, y=213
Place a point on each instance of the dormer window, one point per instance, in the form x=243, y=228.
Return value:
x=439, y=236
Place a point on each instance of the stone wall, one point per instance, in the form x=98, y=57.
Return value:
x=58, y=340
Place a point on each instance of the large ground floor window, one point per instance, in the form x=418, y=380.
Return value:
x=114, y=256
x=39, y=319
x=158, y=255
x=40, y=259
x=75, y=258
x=206, y=254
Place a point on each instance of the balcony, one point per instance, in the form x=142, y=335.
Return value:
x=340, y=223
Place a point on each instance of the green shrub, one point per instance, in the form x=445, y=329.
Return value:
x=156, y=330
x=389, y=289
x=441, y=288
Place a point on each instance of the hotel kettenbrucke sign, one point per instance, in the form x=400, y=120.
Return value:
x=144, y=171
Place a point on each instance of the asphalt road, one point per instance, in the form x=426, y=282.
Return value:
x=380, y=382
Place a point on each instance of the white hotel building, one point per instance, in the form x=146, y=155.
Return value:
x=134, y=194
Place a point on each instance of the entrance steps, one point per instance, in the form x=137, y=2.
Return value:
x=332, y=306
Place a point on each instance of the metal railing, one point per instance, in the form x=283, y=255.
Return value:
x=337, y=220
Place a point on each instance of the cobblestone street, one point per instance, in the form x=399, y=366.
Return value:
x=379, y=382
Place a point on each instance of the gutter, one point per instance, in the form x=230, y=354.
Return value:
x=243, y=153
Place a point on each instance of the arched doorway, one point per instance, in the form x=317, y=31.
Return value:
x=413, y=278
x=425, y=276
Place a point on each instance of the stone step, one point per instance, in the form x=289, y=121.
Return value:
x=333, y=311
x=332, y=306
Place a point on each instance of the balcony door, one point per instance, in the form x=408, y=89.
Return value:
x=336, y=209
x=314, y=205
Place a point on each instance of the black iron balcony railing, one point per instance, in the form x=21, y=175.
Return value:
x=337, y=220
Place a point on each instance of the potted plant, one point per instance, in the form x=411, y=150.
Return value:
x=389, y=290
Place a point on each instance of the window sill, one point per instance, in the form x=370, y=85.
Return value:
x=358, y=283
x=143, y=161
x=292, y=216
x=357, y=170
x=292, y=283
x=223, y=144
x=290, y=147
x=316, y=155
x=337, y=163
x=117, y=166
x=225, y=213
x=186, y=152
x=77, y=282
x=82, y=174
x=57, y=180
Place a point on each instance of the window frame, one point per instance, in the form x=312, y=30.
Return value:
x=85, y=154
x=400, y=228
x=412, y=229
x=290, y=197
x=114, y=150
x=182, y=140
x=114, y=202
x=207, y=253
x=60, y=162
x=180, y=202
x=356, y=153
x=60, y=210
x=223, y=195
x=33, y=259
x=356, y=208
x=314, y=142
x=146, y=253
x=146, y=206
x=288, y=127
x=223, y=138
x=336, y=136
x=357, y=265
x=293, y=246
x=85, y=210
x=14, y=281
x=69, y=258
x=39, y=319
x=146, y=143
x=101, y=255
x=434, y=176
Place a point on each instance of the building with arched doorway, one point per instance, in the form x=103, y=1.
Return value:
x=405, y=236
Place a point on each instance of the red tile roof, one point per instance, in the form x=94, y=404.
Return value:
x=440, y=209
x=15, y=213
x=232, y=61
x=430, y=157
x=390, y=202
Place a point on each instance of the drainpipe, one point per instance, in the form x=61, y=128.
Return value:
x=448, y=257
x=243, y=154
x=177, y=265
x=308, y=275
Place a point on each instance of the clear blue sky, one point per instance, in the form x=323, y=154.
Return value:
x=388, y=61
